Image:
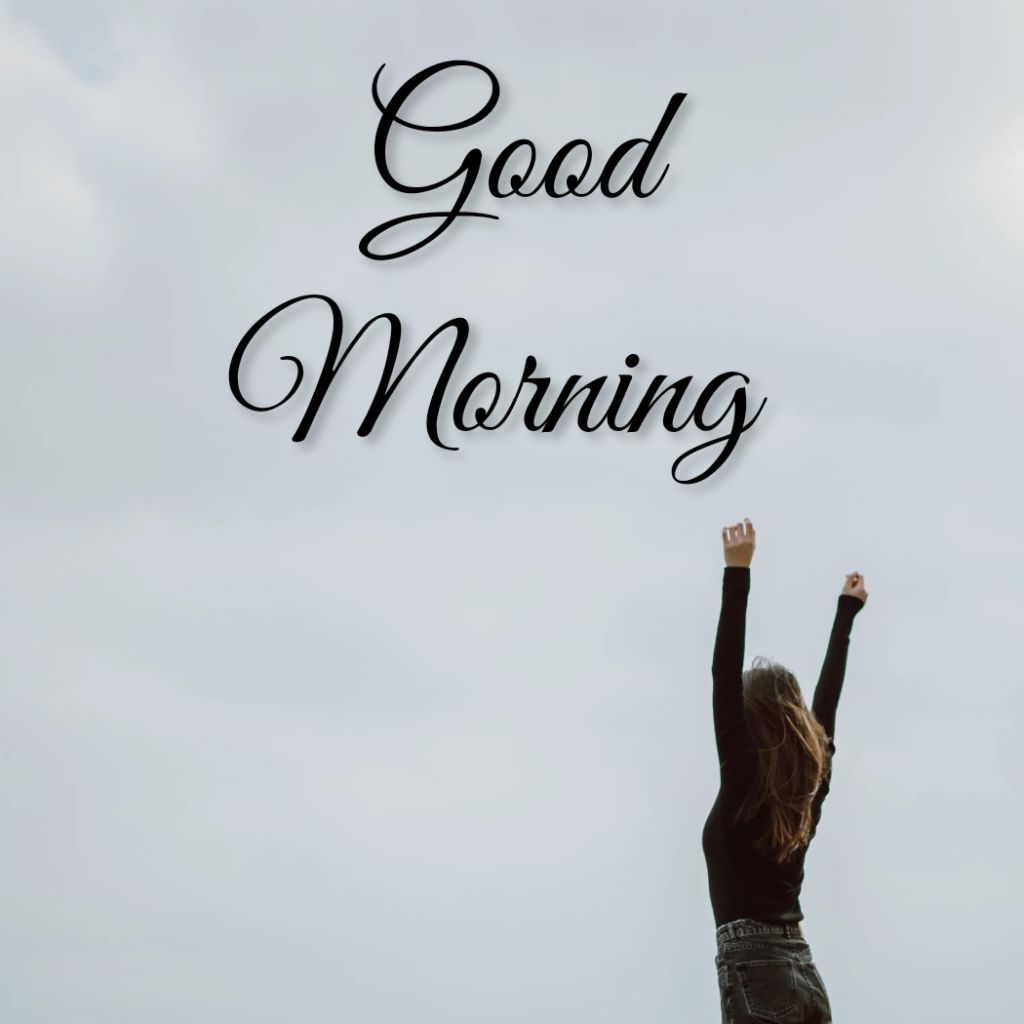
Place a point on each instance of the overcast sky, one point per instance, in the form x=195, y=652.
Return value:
x=359, y=729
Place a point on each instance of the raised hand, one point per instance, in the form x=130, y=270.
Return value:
x=854, y=586
x=738, y=543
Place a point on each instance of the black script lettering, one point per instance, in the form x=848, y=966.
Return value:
x=652, y=395
x=636, y=178
x=469, y=168
x=567, y=395
x=571, y=180
x=620, y=393
x=483, y=410
x=738, y=405
x=480, y=414
x=541, y=384
x=517, y=181
x=332, y=364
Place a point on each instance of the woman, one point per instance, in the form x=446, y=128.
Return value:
x=775, y=759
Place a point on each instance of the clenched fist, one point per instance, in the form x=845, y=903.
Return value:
x=738, y=542
x=854, y=586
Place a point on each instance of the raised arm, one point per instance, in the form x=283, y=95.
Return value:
x=731, y=736
x=830, y=682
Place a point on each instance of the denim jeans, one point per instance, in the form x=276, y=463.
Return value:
x=765, y=973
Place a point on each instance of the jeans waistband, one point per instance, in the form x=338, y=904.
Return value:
x=746, y=926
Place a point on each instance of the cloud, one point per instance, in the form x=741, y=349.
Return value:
x=62, y=127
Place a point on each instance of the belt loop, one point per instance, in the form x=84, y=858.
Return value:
x=731, y=931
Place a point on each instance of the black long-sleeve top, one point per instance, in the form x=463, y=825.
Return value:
x=745, y=882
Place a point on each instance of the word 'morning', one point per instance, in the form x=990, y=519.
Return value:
x=470, y=166
x=484, y=410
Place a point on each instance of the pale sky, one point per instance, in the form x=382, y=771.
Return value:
x=359, y=729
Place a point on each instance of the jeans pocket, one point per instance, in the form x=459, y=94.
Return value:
x=769, y=987
x=818, y=993
x=723, y=988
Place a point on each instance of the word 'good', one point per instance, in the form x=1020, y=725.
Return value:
x=517, y=183
x=484, y=411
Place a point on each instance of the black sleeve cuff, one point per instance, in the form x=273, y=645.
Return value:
x=736, y=580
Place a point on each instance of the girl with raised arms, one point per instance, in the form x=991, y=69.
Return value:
x=775, y=756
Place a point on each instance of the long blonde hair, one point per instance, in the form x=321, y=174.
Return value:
x=793, y=758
